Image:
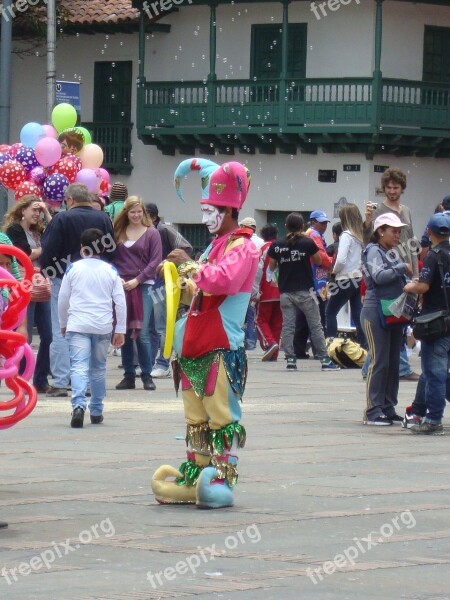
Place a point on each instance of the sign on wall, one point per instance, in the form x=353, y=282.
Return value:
x=69, y=91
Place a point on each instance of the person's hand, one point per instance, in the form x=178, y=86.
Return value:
x=63, y=331
x=409, y=270
x=368, y=214
x=118, y=340
x=130, y=285
x=178, y=256
x=160, y=269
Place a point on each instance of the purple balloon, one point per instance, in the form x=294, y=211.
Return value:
x=55, y=186
x=88, y=178
x=37, y=175
x=27, y=158
x=4, y=157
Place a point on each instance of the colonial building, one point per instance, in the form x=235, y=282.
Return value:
x=316, y=98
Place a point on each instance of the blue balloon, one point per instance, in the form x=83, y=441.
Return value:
x=31, y=133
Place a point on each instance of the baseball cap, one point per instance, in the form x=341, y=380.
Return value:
x=388, y=219
x=439, y=224
x=119, y=191
x=320, y=216
x=248, y=222
x=446, y=203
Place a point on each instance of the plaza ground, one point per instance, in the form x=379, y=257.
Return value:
x=324, y=507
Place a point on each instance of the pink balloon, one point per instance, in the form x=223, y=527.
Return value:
x=50, y=131
x=88, y=178
x=104, y=175
x=48, y=151
x=91, y=156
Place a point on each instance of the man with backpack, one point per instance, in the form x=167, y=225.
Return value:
x=434, y=384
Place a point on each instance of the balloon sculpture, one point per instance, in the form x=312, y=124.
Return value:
x=35, y=165
x=13, y=345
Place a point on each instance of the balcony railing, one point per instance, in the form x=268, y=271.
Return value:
x=327, y=104
x=115, y=140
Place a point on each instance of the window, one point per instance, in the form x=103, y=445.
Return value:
x=112, y=91
x=436, y=54
x=266, y=51
x=198, y=236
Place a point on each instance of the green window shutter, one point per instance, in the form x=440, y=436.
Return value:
x=266, y=51
x=436, y=54
x=112, y=91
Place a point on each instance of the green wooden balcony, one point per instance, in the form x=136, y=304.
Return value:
x=115, y=140
x=389, y=116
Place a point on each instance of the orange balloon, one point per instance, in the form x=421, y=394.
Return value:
x=91, y=156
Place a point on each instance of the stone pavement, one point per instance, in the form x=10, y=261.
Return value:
x=325, y=508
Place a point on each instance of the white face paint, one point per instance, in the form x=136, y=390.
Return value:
x=212, y=218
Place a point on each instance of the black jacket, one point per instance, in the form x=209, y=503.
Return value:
x=61, y=238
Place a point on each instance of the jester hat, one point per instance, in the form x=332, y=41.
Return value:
x=224, y=185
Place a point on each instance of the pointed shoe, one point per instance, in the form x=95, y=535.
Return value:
x=213, y=494
x=169, y=492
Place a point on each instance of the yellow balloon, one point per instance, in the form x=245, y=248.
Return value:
x=173, y=293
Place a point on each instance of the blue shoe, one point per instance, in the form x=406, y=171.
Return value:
x=213, y=494
x=329, y=365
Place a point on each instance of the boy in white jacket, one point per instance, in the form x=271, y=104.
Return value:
x=89, y=290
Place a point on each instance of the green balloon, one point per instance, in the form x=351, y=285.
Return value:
x=85, y=133
x=64, y=116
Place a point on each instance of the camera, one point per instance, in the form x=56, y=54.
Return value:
x=374, y=205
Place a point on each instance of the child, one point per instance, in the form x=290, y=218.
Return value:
x=85, y=307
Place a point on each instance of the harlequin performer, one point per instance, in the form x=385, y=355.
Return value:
x=209, y=342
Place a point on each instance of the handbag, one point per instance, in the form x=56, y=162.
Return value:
x=435, y=325
x=41, y=290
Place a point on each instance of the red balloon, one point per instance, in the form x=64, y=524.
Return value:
x=4, y=148
x=14, y=149
x=12, y=173
x=28, y=187
x=67, y=165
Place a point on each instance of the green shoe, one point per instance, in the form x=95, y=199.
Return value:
x=428, y=428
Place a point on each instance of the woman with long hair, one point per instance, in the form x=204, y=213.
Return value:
x=347, y=272
x=385, y=277
x=137, y=255
x=24, y=226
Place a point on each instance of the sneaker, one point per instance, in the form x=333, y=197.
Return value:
x=148, y=383
x=395, y=418
x=410, y=377
x=427, y=428
x=270, y=351
x=291, y=364
x=329, y=365
x=410, y=419
x=116, y=352
x=379, y=421
x=55, y=392
x=42, y=389
x=77, y=418
x=127, y=383
x=159, y=373
x=96, y=419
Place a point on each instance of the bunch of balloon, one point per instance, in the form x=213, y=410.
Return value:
x=36, y=164
x=14, y=298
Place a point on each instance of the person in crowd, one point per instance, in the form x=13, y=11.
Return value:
x=384, y=274
x=316, y=230
x=61, y=246
x=117, y=197
x=24, y=227
x=269, y=319
x=71, y=142
x=347, y=272
x=91, y=290
x=443, y=206
x=427, y=411
x=393, y=184
x=292, y=257
x=137, y=255
x=251, y=335
x=209, y=342
x=97, y=202
x=336, y=232
x=170, y=240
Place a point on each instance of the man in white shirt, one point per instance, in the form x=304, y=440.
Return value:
x=88, y=291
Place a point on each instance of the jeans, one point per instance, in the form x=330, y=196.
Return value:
x=434, y=383
x=251, y=337
x=143, y=341
x=348, y=291
x=39, y=314
x=59, y=348
x=88, y=352
x=308, y=304
x=158, y=326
